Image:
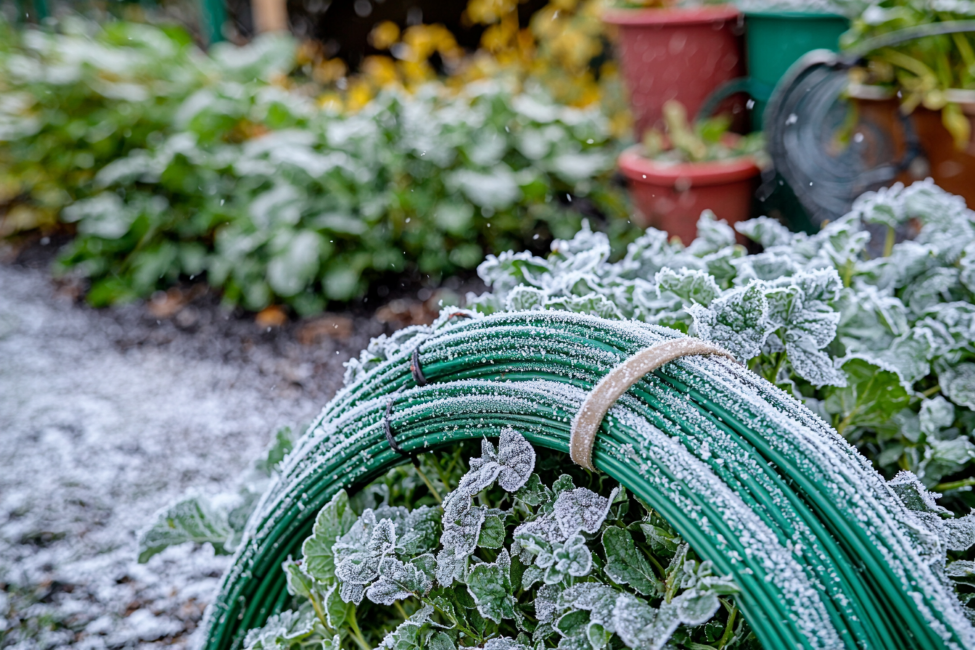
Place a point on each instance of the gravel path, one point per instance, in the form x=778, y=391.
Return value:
x=107, y=416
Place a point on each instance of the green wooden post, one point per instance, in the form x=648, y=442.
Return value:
x=214, y=15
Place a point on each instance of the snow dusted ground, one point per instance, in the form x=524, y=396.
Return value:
x=106, y=417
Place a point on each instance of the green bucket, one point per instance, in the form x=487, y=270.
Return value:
x=774, y=40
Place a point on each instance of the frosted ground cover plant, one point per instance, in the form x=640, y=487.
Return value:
x=516, y=556
x=881, y=348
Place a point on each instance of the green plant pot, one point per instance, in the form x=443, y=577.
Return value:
x=774, y=40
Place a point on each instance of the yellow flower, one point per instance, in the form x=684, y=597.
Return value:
x=358, y=95
x=384, y=35
x=380, y=70
x=328, y=71
x=330, y=101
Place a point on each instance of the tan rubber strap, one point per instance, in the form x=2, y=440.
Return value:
x=618, y=381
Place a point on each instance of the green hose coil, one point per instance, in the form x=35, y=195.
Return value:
x=824, y=553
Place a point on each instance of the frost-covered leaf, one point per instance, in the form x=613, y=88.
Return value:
x=333, y=521
x=281, y=631
x=958, y=383
x=960, y=532
x=914, y=495
x=737, y=321
x=712, y=235
x=962, y=571
x=492, y=533
x=534, y=492
x=523, y=298
x=594, y=304
x=690, y=285
x=516, y=458
x=812, y=364
x=626, y=565
x=461, y=536
x=191, y=519
x=300, y=584
x=936, y=413
x=765, y=231
x=504, y=643
x=488, y=584
x=872, y=395
x=581, y=509
x=397, y=581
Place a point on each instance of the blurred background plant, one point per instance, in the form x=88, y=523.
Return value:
x=280, y=176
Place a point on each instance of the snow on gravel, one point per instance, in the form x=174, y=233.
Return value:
x=103, y=420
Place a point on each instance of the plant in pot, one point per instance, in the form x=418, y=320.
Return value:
x=669, y=49
x=678, y=172
x=931, y=78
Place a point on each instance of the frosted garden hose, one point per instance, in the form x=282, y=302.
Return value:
x=824, y=554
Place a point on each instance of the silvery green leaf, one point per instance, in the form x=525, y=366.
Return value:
x=712, y=235
x=480, y=476
x=767, y=232
x=967, y=264
x=695, y=607
x=579, y=167
x=191, y=519
x=449, y=567
x=812, y=364
x=626, y=565
x=960, y=532
x=691, y=286
x=497, y=189
x=383, y=538
x=914, y=495
x=737, y=321
x=546, y=602
x=958, y=383
x=397, y=581
x=299, y=583
x=596, y=598
x=769, y=265
x=516, y=458
x=335, y=643
x=594, y=304
x=103, y=215
x=486, y=584
x=351, y=592
x=961, y=571
x=572, y=558
x=944, y=457
x=523, y=298
x=336, y=610
x=531, y=576
x=333, y=521
x=420, y=531
x=936, y=413
x=461, y=536
x=295, y=262
x=492, y=533
x=572, y=626
x=534, y=492
x=280, y=631
x=634, y=620
x=581, y=509
x=937, y=285
x=504, y=643
x=562, y=483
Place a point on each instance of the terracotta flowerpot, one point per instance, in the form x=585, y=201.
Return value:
x=671, y=197
x=677, y=53
x=953, y=169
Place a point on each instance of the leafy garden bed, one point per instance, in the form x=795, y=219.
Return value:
x=171, y=164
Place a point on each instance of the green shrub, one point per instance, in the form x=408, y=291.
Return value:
x=179, y=164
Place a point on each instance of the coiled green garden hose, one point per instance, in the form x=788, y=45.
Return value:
x=824, y=553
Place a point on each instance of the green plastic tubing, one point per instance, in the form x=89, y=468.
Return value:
x=823, y=552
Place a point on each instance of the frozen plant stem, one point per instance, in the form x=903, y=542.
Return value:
x=889, y=242
x=426, y=479
x=356, y=632
x=729, y=629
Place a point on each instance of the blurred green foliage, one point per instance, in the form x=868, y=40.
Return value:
x=176, y=164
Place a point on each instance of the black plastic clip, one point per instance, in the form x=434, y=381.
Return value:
x=415, y=368
x=388, y=430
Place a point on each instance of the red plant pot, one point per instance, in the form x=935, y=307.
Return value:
x=677, y=53
x=671, y=197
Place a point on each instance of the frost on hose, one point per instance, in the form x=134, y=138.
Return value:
x=558, y=566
